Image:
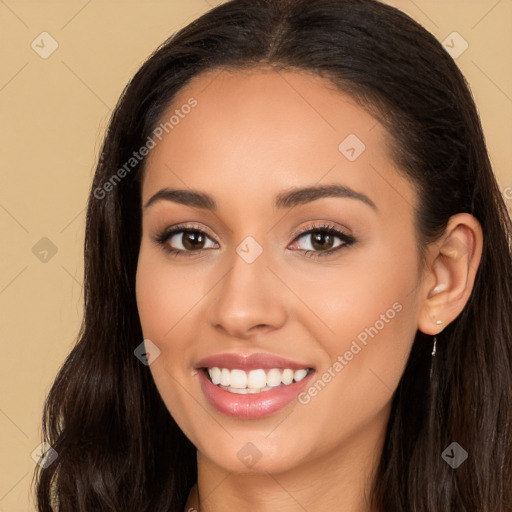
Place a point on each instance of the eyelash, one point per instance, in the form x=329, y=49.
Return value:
x=347, y=240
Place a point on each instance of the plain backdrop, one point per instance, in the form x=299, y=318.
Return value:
x=53, y=114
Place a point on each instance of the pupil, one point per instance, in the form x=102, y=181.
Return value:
x=322, y=240
x=192, y=240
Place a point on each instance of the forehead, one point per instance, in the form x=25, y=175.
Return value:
x=261, y=130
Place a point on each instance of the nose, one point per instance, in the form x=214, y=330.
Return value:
x=249, y=299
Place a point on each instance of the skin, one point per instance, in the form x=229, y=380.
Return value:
x=255, y=134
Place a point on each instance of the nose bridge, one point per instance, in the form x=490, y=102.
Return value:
x=248, y=296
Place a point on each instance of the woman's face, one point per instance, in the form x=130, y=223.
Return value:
x=341, y=301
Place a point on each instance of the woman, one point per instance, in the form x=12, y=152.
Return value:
x=297, y=279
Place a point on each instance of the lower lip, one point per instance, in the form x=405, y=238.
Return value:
x=254, y=405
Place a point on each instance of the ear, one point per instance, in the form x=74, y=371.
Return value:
x=450, y=273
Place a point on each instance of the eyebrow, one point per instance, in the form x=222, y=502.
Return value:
x=288, y=199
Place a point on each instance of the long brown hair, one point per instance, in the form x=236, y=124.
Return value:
x=119, y=448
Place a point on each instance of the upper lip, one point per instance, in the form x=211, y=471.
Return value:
x=249, y=362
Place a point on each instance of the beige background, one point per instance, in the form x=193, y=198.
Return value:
x=54, y=112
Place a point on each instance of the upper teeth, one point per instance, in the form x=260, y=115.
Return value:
x=255, y=379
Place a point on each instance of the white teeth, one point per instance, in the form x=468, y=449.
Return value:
x=246, y=391
x=287, y=376
x=215, y=375
x=225, y=377
x=239, y=381
x=299, y=375
x=257, y=379
x=274, y=377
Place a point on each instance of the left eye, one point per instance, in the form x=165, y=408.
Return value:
x=322, y=240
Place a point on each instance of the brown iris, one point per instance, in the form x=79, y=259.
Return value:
x=193, y=240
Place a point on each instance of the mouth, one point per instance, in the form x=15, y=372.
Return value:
x=258, y=380
x=257, y=399
x=252, y=386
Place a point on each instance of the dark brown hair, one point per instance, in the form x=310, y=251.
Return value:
x=119, y=448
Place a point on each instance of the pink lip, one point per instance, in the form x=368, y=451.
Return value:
x=251, y=406
x=249, y=362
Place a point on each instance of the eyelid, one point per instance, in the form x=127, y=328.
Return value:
x=347, y=240
x=171, y=230
x=319, y=225
x=322, y=226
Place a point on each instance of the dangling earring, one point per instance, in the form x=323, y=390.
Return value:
x=433, y=357
x=438, y=322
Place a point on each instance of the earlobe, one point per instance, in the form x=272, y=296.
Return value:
x=452, y=271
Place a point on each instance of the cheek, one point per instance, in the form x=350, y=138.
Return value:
x=372, y=312
x=163, y=298
x=170, y=297
x=164, y=293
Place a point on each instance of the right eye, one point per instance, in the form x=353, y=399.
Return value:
x=184, y=241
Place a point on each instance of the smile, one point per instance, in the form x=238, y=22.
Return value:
x=252, y=386
x=254, y=381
